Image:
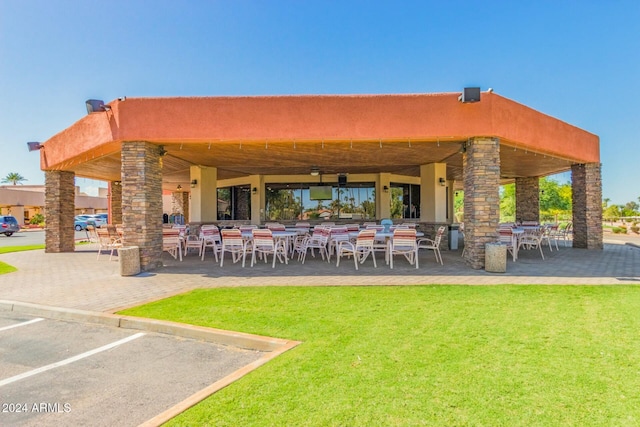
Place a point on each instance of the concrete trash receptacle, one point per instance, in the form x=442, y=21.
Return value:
x=129, y=258
x=495, y=257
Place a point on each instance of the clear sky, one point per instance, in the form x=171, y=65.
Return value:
x=578, y=61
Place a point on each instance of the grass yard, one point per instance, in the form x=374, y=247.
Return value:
x=426, y=355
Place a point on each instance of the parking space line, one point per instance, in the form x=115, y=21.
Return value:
x=28, y=322
x=69, y=360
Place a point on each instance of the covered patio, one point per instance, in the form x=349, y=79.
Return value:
x=436, y=143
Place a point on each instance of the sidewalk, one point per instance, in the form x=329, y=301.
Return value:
x=77, y=280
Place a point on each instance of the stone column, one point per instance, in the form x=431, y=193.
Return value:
x=528, y=199
x=481, y=166
x=59, y=210
x=142, y=201
x=180, y=204
x=116, y=203
x=586, y=184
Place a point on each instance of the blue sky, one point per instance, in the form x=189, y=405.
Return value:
x=578, y=61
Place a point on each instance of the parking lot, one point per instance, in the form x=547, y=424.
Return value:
x=55, y=372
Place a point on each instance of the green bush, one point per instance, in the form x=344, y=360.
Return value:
x=37, y=219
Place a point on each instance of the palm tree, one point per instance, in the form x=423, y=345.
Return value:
x=13, y=178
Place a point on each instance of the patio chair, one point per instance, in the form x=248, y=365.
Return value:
x=404, y=243
x=172, y=243
x=337, y=234
x=210, y=236
x=360, y=250
x=318, y=240
x=106, y=242
x=433, y=244
x=264, y=244
x=233, y=243
x=566, y=233
x=550, y=236
x=531, y=240
x=506, y=236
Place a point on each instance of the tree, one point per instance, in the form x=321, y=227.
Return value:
x=13, y=178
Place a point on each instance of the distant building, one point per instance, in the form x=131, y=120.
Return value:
x=25, y=201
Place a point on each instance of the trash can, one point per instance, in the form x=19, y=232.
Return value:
x=129, y=258
x=453, y=237
x=495, y=257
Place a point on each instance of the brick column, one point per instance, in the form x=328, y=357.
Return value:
x=481, y=166
x=142, y=201
x=116, y=203
x=59, y=211
x=586, y=183
x=528, y=199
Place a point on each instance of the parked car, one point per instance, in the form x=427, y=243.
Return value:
x=8, y=225
x=80, y=224
x=94, y=220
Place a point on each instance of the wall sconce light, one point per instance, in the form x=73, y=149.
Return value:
x=96, y=105
x=463, y=148
x=442, y=182
x=385, y=189
x=33, y=146
x=179, y=187
x=315, y=171
x=194, y=182
x=254, y=190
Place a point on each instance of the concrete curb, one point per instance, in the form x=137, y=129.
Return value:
x=217, y=336
x=272, y=347
x=633, y=245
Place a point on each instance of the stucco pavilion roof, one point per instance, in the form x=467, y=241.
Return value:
x=286, y=135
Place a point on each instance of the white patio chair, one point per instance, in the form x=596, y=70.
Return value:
x=506, y=236
x=531, y=240
x=264, y=244
x=233, y=243
x=433, y=244
x=318, y=240
x=172, y=243
x=359, y=250
x=404, y=243
x=210, y=236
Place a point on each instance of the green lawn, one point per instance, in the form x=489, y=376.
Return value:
x=426, y=355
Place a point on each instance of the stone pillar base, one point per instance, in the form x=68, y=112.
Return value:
x=129, y=261
x=495, y=258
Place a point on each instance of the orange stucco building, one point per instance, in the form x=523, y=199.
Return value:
x=432, y=143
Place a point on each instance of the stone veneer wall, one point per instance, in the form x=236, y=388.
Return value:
x=180, y=204
x=59, y=211
x=481, y=165
x=116, y=202
x=528, y=199
x=586, y=183
x=142, y=201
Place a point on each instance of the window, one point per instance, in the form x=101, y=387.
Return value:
x=293, y=202
x=405, y=201
x=234, y=203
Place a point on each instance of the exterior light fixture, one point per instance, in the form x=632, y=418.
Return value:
x=315, y=171
x=96, y=106
x=442, y=181
x=179, y=187
x=470, y=94
x=385, y=189
x=33, y=146
x=254, y=190
x=194, y=182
